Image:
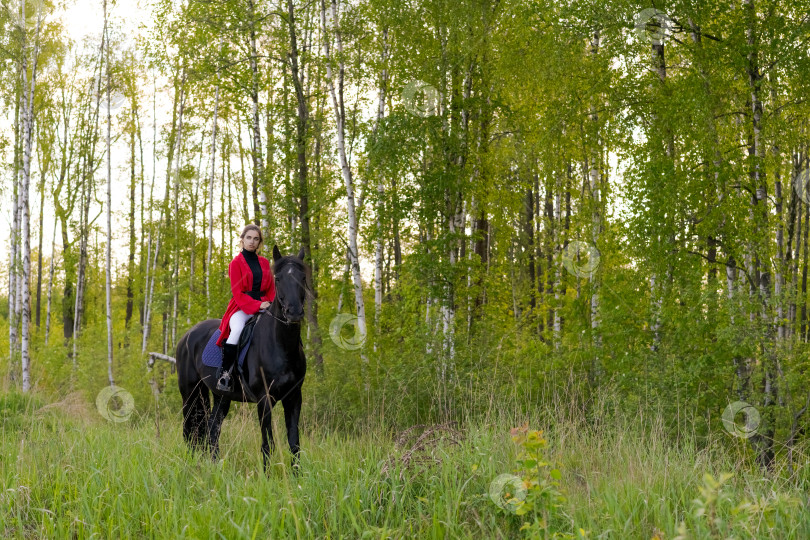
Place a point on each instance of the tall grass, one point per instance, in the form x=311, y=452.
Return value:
x=67, y=473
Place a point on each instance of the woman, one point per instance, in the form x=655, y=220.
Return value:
x=254, y=288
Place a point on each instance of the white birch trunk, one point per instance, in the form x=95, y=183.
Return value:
x=337, y=103
x=14, y=237
x=50, y=283
x=346, y=269
x=108, y=253
x=87, y=194
x=378, y=254
x=557, y=265
x=594, y=177
x=148, y=314
x=176, y=268
x=194, y=237
x=26, y=233
x=211, y=202
x=146, y=285
x=258, y=160
x=473, y=212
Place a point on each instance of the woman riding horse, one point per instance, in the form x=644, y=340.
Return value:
x=254, y=288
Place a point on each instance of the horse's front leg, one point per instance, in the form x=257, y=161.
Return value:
x=218, y=413
x=265, y=410
x=292, y=412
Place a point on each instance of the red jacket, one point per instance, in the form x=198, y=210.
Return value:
x=242, y=283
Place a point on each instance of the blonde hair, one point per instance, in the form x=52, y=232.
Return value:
x=251, y=227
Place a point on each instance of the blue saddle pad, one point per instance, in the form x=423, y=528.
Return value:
x=212, y=354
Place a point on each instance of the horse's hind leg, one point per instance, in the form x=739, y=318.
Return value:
x=219, y=411
x=265, y=410
x=292, y=412
x=195, y=412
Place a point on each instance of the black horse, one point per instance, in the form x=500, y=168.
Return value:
x=274, y=367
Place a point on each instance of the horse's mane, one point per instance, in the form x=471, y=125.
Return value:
x=289, y=259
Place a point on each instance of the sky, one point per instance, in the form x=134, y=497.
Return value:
x=81, y=19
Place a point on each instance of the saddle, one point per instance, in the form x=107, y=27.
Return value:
x=247, y=335
x=212, y=354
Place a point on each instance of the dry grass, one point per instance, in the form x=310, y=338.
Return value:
x=421, y=447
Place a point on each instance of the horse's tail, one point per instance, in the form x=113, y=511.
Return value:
x=196, y=407
x=195, y=395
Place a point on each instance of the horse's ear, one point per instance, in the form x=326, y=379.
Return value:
x=301, y=253
x=276, y=253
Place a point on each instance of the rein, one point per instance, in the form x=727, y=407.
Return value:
x=267, y=310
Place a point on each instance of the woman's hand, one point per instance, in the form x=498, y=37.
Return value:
x=264, y=305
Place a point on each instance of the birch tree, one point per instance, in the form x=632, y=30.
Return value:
x=335, y=83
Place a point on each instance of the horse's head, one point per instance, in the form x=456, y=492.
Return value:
x=291, y=284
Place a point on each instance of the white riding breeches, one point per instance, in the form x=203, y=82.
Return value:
x=236, y=324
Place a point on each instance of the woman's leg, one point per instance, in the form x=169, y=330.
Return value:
x=236, y=324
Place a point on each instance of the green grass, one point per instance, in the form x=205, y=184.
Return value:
x=68, y=473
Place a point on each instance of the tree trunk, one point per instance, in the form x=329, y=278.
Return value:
x=39, y=249
x=108, y=255
x=763, y=439
x=378, y=252
x=14, y=237
x=340, y=117
x=302, y=120
x=594, y=177
x=180, y=98
x=28, y=119
x=531, y=249
x=259, y=195
x=211, y=196
x=50, y=283
x=88, y=171
x=132, y=238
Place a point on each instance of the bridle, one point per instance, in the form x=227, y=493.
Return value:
x=267, y=310
x=284, y=320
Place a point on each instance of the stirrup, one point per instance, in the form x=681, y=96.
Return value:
x=227, y=385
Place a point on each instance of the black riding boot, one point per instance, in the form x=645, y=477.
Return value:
x=224, y=378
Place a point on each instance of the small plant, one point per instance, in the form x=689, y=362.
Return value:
x=543, y=501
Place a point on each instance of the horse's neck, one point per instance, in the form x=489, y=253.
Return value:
x=286, y=335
